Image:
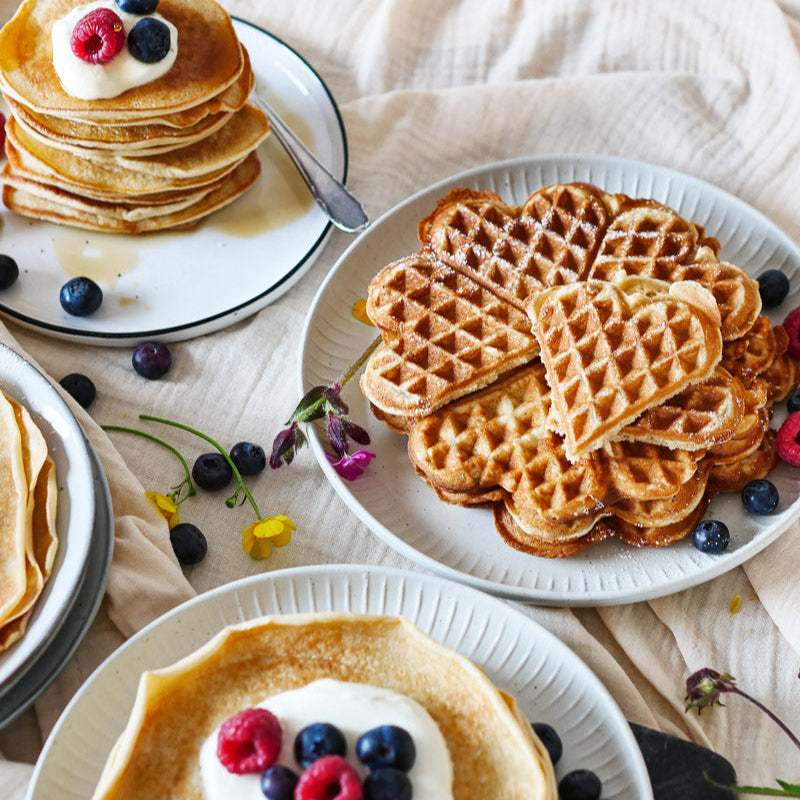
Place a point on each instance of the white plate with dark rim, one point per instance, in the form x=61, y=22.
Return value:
x=550, y=682
x=75, y=513
x=178, y=285
x=461, y=543
x=30, y=682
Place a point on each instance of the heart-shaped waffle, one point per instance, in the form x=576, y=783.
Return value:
x=612, y=351
x=575, y=231
x=444, y=336
x=514, y=251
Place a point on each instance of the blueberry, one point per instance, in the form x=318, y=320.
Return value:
x=9, y=271
x=773, y=286
x=212, y=472
x=317, y=740
x=550, y=739
x=250, y=459
x=148, y=40
x=152, y=360
x=80, y=388
x=188, y=542
x=80, y=296
x=137, y=6
x=386, y=746
x=387, y=783
x=711, y=536
x=793, y=403
x=580, y=784
x=760, y=497
x=278, y=782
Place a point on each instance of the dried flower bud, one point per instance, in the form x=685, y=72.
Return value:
x=704, y=687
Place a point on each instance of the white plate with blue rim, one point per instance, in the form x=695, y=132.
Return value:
x=75, y=511
x=462, y=543
x=550, y=682
x=177, y=285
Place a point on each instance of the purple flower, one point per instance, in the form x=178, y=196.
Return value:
x=286, y=444
x=351, y=466
x=336, y=434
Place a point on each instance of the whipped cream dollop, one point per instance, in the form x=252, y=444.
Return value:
x=88, y=81
x=354, y=708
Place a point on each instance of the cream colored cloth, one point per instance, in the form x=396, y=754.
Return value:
x=427, y=90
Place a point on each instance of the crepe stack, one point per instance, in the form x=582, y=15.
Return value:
x=584, y=364
x=28, y=539
x=492, y=747
x=161, y=155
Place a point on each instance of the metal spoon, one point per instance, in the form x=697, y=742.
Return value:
x=343, y=209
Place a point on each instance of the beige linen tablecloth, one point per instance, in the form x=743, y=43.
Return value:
x=427, y=90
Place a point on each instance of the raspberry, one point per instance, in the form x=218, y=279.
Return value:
x=792, y=326
x=2, y=130
x=98, y=36
x=787, y=442
x=329, y=778
x=249, y=741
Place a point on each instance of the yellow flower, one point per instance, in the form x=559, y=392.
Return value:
x=258, y=538
x=166, y=506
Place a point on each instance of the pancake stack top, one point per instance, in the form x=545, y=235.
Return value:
x=584, y=364
x=138, y=142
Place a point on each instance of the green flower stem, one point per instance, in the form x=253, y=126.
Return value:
x=359, y=362
x=779, y=722
x=186, y=481
x=317, y=409
x=786, y=790
x=237, y=474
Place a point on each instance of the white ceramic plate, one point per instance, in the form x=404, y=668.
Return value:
x=462, y=543
x=29, y=683
x=75, y=510
x=174, y=286
x=551, y=683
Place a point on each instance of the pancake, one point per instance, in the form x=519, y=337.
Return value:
x=40, y=207
x=209, y=60
x=83, y=138
x=41, y=541
x=14, y=519
x=45, y=545
x=492, y=747
x=187, y=166
x=173, y=202
x=232, y=98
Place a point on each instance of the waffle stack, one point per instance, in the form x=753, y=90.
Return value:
x=639, y=384
x=161, y=155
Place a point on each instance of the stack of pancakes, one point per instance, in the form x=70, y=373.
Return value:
x=161, y=155
x=28, y=539
x=583, y=363
x=493, y=749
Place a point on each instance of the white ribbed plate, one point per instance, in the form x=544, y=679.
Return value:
x=550, y=682
x=462, y=543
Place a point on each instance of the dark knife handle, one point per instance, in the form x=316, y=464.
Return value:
x=678, y=768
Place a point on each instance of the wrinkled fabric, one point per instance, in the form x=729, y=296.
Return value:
x=427, y=90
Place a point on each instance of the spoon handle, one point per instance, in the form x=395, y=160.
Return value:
x=343, y=209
